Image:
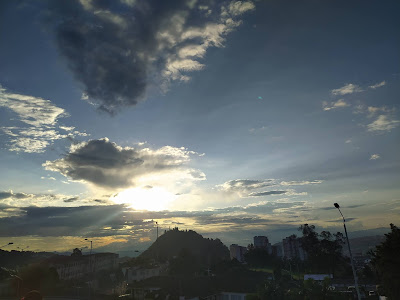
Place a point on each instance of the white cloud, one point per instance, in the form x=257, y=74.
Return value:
x=237, y=8
x=303, y=182
x=334, y=105
x=348, y=141
x=383, y=123
x=40, y=115
x=31, y=110
x=378, y=85
x=374, y=157
x=347, y=89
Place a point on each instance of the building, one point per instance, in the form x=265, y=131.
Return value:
x=262, y=242
x=237, y=252
x=75, y=267
x=277, y=251
x=292, y=248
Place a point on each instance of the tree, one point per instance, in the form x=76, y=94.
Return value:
x=76, y=252
x=386, y=261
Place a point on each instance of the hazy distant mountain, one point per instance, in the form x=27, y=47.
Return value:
x=361, y=245
x=177, y=243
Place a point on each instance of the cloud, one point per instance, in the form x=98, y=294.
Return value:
x=244, y=184
x=383, y=123
x=377, y=85
x=335, y=104
x=347, y=89
x=105, y=164
x=11, y=194
x=31, y=110
x=304, y=182
x=268, y=193
x=119, y=51
x=40, y=115
x=374, y=157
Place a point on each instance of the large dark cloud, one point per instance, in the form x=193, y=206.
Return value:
x=106, y=164
x=116, y=49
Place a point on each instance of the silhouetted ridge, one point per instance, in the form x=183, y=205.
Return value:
x=175, y=243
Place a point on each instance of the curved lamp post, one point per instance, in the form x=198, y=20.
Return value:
x=90, y=266
x=351, y=256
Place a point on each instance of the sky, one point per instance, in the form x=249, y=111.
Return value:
x=230, y=118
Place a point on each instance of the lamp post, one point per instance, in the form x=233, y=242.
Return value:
x=90, y=266
x=351, y=256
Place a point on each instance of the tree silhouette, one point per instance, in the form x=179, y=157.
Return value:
x=386, y=261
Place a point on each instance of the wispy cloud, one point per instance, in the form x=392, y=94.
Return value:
x=335, y=104
x=267, y=193
x=243, y=185
x=377, y=85
x=374, y=157
x=347, y=89
x=304, y=182
x=40, y=117
x=383, y=123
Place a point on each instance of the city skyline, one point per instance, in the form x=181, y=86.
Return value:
x=234, y=119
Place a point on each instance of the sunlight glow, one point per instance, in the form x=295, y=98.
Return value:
x=152, y=199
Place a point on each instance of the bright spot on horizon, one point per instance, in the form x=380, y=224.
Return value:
x=153, y=199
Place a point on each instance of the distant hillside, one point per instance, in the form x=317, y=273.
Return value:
x=176, y=243
x=361, y=245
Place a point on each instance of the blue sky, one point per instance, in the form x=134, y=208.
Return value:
x=234, y=118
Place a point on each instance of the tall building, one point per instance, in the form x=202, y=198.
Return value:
x=237, y=252
x=261, y=242
x=292, y=248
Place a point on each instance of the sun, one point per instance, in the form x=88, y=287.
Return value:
x=145, y=198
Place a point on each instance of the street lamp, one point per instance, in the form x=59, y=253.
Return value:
x=90, y=265
x=351, y=256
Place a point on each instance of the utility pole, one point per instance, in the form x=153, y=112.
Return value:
x=351, y=256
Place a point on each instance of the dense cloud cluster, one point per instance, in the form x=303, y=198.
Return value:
x=117, y=49
x=108, y=165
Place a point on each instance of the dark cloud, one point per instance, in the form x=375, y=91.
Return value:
x=341, y=220
x=268, y=193
x=106, y=164
x=350, y=206
x=73, y=199
x=245, y=184
x=117, y=49
x=69, y=221
x=10, y=194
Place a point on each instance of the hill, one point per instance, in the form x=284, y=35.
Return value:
x=175, y=243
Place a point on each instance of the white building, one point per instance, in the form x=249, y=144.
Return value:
x=262, y=242
x=292, y=248
x=237, y=252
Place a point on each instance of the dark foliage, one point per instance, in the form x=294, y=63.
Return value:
x=386, y=261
